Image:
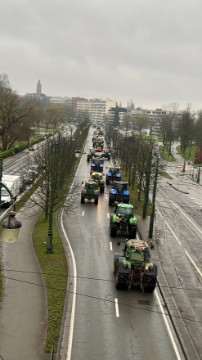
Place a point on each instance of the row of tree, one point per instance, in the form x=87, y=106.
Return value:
x=132, y=153
x=55, y=160
x=173, y=125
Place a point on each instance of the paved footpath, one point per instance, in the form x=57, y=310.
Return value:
x=23, y=311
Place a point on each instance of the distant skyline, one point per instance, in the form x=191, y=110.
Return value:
x=143, y=50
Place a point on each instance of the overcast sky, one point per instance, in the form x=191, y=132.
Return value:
x=149, y=51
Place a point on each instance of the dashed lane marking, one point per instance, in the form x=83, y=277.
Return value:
x=116, y=307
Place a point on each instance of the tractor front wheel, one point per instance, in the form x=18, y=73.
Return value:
x=96, y=200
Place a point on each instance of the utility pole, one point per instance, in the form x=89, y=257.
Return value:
x=151, y=225
x=147, y=185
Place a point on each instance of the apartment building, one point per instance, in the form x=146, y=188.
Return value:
x=97, y=108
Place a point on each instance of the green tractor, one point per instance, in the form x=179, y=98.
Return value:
x=123, y=220
x=98, y=178
x=133, y=267
x=90, y=191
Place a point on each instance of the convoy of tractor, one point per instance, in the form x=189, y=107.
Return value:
x=133, y=267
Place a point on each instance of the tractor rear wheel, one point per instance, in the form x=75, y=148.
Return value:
x=132, y=230
x=116, y=257
x=120, y=280
x=82, y=199
x=96, y=200
x=112, y=231
x=150, y=284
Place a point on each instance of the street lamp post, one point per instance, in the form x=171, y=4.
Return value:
x=11, y=228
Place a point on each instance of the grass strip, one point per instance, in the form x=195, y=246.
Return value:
x=54, y=268
x=165, y=155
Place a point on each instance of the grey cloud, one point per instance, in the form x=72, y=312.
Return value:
x=146, y=50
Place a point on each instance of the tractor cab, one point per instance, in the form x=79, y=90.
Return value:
x=137, y=252
x=124, y=210
x=91, y=186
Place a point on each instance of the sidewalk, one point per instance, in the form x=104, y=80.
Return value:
x=143, y=227
x=23, y=311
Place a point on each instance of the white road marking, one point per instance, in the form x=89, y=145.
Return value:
x=170, y=229
x=187, y=217
x=116, y=307
x=175, y=236
x=168, y=327
x=186, y=252
x=110, y=246
x=71, y=327
x=108, y=215
x=82, y=213
x=193, y=262
x=72, y=316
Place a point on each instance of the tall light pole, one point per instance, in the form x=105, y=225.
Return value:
x=49, y=244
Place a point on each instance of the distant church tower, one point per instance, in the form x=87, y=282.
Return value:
x=38, y=88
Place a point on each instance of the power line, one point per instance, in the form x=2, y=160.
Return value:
x=105, y=300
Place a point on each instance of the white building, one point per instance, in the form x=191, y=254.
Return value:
x=96, y=108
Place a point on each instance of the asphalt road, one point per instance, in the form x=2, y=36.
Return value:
x=108, y=324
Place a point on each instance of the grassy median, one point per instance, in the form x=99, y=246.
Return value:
x=55, y=273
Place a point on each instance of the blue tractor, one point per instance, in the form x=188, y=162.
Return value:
x=97, y=165
x=119, y=193
x=113, y=174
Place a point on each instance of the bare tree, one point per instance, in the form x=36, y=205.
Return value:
x=13, y=112
x=169, y=125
